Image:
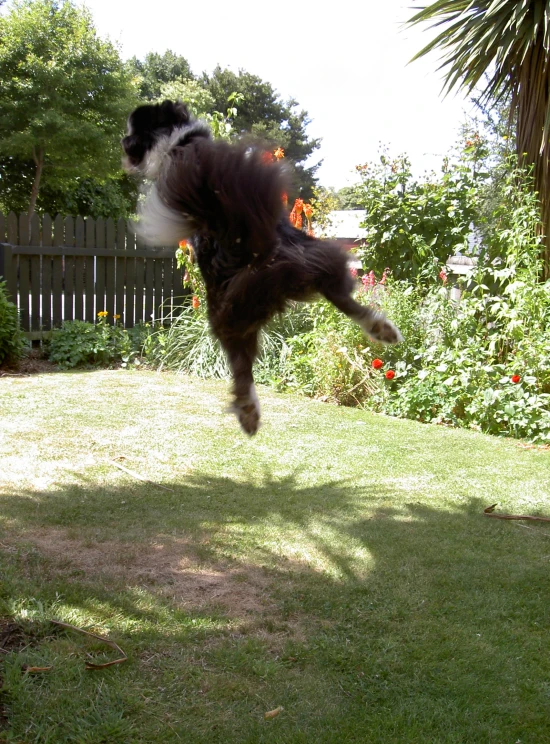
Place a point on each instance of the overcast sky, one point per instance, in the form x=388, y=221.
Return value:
x=345, y=62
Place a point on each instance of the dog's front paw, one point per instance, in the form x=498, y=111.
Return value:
x=247, y=410
x=379, y=328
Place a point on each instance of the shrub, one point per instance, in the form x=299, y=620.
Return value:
x=412, y=225
x=79, y=343
x=12, y=340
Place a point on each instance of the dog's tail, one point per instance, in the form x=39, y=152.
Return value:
x=226, y=191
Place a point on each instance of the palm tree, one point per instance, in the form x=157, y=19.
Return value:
x=505, y=44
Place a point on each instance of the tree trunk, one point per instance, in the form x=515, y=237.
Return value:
x=532, y=100
x=38, y=158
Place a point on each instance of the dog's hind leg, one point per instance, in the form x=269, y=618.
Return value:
x=374, y=323
x=241, y=353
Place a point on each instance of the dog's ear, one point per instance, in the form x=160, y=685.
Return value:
x=175, y=113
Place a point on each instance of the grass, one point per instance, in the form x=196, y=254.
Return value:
x=338, y=565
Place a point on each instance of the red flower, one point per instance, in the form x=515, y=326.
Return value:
x=390, y=374
x=443, y=276
x=377, y=363
x=353, y=271
x=267, y=157
x=196, y=302
x=285, y=198
x=515, y=379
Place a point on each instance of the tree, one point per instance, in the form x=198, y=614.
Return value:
x=64, y=98
x=261, y=112
x=158, y=69
x=504, y=47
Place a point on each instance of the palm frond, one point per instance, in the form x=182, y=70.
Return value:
x=507, y=44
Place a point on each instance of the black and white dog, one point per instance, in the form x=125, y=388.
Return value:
x=228, y=201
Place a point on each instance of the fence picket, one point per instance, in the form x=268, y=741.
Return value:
x=129, y=301
x=46, y=274
x=90, y=271
x=36, y=276
x=110, y=268
x=120, y=274
x=100, y=267
x=58, y=263
x=80, y=269
x=24, y=273
x=68, y=273
x=139, y=286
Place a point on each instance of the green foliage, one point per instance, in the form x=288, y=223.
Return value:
x=12, y=340
x=348, y=198
x=65, y=97
x=79, y=343
x=324, y=201
x=484, y=363
x=262, y=113
x=501, y=47
x=414, y=226
x=157, y=70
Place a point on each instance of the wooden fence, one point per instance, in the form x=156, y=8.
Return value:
x=71, y=269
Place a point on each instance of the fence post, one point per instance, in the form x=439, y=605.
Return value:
x=6, y=271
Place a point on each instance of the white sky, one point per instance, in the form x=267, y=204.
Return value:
x=345, y=62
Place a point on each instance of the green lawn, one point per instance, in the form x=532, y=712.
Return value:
x=338, y=564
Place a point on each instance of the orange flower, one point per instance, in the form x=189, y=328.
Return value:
x=299, y=205
x=285, y=199
x=308, y=210
x=196, y=302
x=279, y=153
x=298, y=223
x=183, y=245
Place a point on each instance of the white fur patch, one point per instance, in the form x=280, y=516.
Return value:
x=155, y=158
x=247, y=410
x=379, y=328
x=159, y=224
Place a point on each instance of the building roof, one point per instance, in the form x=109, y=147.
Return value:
x=344, y=224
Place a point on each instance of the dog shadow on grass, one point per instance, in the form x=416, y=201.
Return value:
x=385, y=597
x=245, y=547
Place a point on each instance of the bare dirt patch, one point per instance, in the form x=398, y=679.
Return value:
x=32, y=364
x=168, y=568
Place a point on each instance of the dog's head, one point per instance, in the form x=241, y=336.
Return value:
x=147, y=125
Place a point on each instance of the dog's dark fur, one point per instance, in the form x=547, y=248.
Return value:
x=227, y=200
